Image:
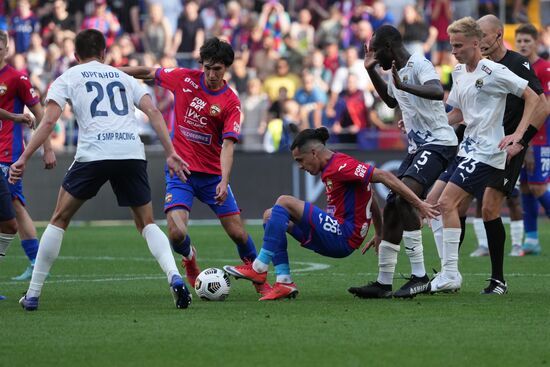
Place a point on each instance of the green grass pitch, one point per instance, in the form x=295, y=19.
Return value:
x=107, y=303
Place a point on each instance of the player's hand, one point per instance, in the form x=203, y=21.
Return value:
x=401, y=126
x=16, y=171
x=509, y=140
x=373, y=243
x=396, y=79
x=176, y=165
x=512, y=150
x=221, y=193
x=370, y=61
x=529, y=161
x=429, y=211
x=24, y=118
x=49, y=159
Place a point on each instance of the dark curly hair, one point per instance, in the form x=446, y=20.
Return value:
x=305, y=136
x=215, y=50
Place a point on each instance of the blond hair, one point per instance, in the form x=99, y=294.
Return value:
x=467, y=26
x=4, y=37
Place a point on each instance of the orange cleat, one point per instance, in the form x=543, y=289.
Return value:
x=263, y=289
x=246, y=271
x=281, y=290
x=192, y=270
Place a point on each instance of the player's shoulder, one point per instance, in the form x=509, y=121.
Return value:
x=9, y=72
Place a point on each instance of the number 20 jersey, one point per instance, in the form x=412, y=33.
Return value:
x=103, y=100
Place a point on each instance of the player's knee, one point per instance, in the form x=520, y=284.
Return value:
x=446, y=206
x=285, y=201
x=9, y=227
x=177, y=233
x=537, y=190
x=489, y=212
x=267, y=215
x=237, y=234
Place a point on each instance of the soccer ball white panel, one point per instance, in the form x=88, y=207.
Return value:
x=212, y=284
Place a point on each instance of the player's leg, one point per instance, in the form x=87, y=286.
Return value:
x=27, y=234
x=8, y=224
x=516, y=222
x=479, y=230
x=436, y=224
x=234, y=227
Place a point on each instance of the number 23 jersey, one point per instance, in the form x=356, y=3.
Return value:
x=103, y=100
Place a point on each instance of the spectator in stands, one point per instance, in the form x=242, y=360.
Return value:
x=312, y=101
x=280, y=131
x=67, y=58
x=281, y=78
x=127, y=13
x=332, y=57
x=230, y=27
x=264, y=59
x=157, y=34
x=104, y=21
x=380, y=16
x=240, y=75
x=291, y=53
x=59, y=19
x=36, y=56
x=418, y=37
x=275, y=22
x=255, y=105
x=114, y=56
x=361, y=34
x=303, y=32
x=171, y=10
x=315, y=65
x=23, y=24
x=189, y=36
x=330, y=29
x=441, y=17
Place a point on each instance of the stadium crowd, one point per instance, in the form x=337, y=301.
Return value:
x=299, y=64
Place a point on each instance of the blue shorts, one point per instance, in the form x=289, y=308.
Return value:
x=16, y=189
x=319, y=232
x=541, y=171
x=445, y=176
x=6, y=205
x=473, y=176
x=202, y=186
x=426, y=165
x=128, y=178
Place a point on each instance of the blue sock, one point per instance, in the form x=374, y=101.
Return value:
x=275, y=230
x=530, y=212
x=544, y=200
x=31, y=248
x=265, y=256
x=183, y=248
x=247, y=251
x=532, y=235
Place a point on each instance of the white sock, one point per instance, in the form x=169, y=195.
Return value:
x=387, y=259
x=48, y=250
x=160, y=248
x=415, y=251
x=5, y=241
x=260, y=267
x=516, y=232
x=479, y=229
x=286, y=279
x=437, y=229
x=451, y=238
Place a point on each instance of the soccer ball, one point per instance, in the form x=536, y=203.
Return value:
x=212, y=284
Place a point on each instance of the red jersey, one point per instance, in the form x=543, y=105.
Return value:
x=349, y=195
x=542, y=70
x=15, y=92
x=204, y=118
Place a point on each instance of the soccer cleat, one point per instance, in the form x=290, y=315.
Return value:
x=480, y=251
x=26, y=275
x=372, y=290
x=192, y=270
x=281, y=290
x=246, y=271
x=181, y=294
x=2, y=297
x=495, y=287
x=531, y=247
x=29, y=304
x=516, y=251
x=444, y=283
x=263, y=288
x=415, y=285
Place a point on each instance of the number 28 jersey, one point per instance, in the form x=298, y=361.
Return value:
x=349, y=195
x=103, y=100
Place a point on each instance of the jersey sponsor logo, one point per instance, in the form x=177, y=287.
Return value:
x=410, y=64
x=331, y=209
x=196, y=136
x=458, y=67
x=168, y=70
x=197, y=104
x=486, y=69
x=190, y=81
x=192, y=117
x=23, y=77
x=479, y=83
x=342, y=167
x=215, y=109
x=364, y=229
x=360, y=170
x=3, y=89
x=526, y=64
x=185, y=90
x=237, y=127
x=168, y=198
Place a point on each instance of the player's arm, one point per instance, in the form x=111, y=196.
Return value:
x=379, y=84
x=174, y=162
x=139, y=72
x=455, y=116
x=23, y=118
x=392, y=182
x=42, y=133
x=432, y=89
x=377, y=224
x=49, y=155
x=226, y=161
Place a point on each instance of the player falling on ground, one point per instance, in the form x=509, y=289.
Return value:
x=416, y=89
x=109, y=149
x=16, y=92
x=478, y=97
x=336, y=232
x=207, y=126
x=536, y=171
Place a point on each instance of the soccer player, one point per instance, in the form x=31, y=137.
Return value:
x=207, y=126
x=16, y=91
x=478, y=97
x=336, y=232
x=416, y=89
x=536, y=171
x=515, y=112
x=109, y=149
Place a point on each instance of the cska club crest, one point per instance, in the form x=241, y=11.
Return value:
x=3, y=89
x=168, y=198
x=215, y=110
x=329, y=185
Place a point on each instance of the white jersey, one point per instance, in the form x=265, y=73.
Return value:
x=481, y=96
x=103, y=100
x=425, y=120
